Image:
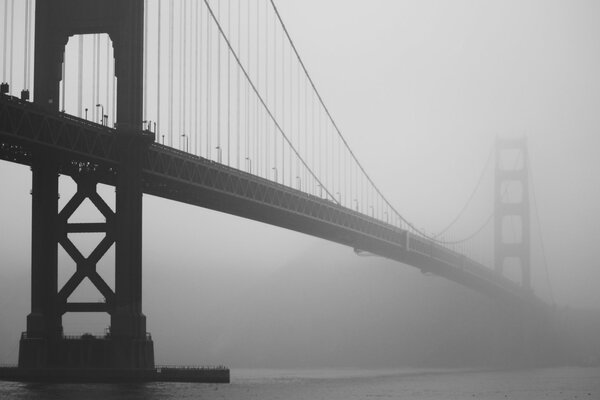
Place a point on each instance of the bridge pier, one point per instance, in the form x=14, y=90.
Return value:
x=44, y=323
x=126, y=345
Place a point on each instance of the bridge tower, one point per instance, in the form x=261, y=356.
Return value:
x=511, y=177
x=127, y=345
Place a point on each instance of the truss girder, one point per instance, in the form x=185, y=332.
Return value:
x=86, y=266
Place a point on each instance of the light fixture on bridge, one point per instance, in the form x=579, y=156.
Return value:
x=102, y=114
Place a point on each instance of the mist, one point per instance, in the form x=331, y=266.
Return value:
x=420, y=90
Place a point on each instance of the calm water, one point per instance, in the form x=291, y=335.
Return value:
x=560, y=383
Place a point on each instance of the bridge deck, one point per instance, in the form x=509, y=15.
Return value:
x=85, y=147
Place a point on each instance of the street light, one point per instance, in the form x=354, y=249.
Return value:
x=249, y=164
x=356, y=201
x=185, y=142
x=275, y=170
x=102, y=114
x=299, y=182
x=219, y=151
x=86, y=111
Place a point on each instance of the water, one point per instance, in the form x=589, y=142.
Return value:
x=347, y=384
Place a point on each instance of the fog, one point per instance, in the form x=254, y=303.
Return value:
x=420, y=90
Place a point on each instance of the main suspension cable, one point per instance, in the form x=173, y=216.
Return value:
x=334, y=124
x=472, y=195
x=260, y=98
x=539, y=226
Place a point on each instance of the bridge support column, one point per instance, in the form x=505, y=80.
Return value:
x=513, y=175
x=127, y=345
x=128, y=323
x=44, y=324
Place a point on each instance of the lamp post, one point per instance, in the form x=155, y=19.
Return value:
x=299, y=181
x=184, y=144
x=102, y=114
x=219, y=151
x=275, y=171
x=249, y=164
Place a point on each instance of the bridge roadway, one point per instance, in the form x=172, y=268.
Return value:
x=84, y=147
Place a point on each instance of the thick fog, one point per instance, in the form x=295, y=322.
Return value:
x=421, y=90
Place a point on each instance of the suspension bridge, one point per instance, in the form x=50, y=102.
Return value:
x=207, y=103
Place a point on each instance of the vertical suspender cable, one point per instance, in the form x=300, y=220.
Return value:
x=290, y=94
x=80, y=77
x=298, y=126
x=196, y=52
x=63, y=85
x=275, y=98
x=305, y=133
x=114, y=94
x=200, y=48
x=26, y=47
x=107, y=94
x=247, y=141
x=320, y=145
x=186, y=80
x=267, y=172
x=184, y=89
x=12, y=39
x=276, y=166
x=145, y=67
x=158, y=64
x=98, y=76
x=219, y=87
x=171, y=81
x=282, y=103
x=313, y=137
x=208, y=86
x=93, y=105
x=5, y=43
x=257, y=132
x=228, y=85
x=182, y=59
x=239, y=29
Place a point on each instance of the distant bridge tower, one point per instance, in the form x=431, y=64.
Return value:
x=127, y=345
x=512, y=177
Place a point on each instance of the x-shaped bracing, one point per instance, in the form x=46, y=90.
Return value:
x=86, y=266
